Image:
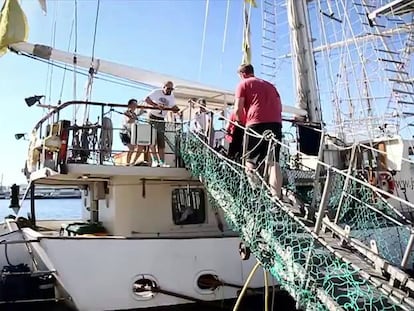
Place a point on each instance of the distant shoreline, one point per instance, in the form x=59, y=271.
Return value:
x=49, y=198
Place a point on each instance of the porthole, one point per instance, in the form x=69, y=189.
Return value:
x=143, y=287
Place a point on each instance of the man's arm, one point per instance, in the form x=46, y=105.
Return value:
x=239, y=102
x=238, y=108
x=149, y=101
x=174, y=106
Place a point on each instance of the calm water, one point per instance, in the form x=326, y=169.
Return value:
x=46, y=209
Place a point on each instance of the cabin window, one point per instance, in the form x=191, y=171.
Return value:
x=188, y=206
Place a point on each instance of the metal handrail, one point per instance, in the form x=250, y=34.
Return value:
x=60, y=107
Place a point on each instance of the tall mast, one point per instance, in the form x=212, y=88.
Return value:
x=303, y=60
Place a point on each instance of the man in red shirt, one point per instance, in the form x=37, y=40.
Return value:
x=260, y=102
x=235, y=137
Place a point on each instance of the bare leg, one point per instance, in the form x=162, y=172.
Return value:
x=275, y=179
x=250, y=166
x=129, y=155
x=139, y=150
x=161, y=154
x=153, y=154
x=253, y=179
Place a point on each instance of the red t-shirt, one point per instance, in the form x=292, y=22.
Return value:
x=261, y=101
x=231, y=127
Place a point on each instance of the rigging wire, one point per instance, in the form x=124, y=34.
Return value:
x=53, y=45
x=65, y=69
x=203, y=42
x=49, y=73
x=104, y=77
x=89, y=84
x=223, y=47
x=75, y=107
x=95, y=30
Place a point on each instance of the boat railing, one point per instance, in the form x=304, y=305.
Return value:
x=341, y=198
x=58, y=140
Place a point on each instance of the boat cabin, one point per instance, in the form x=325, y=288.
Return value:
x=120, y=199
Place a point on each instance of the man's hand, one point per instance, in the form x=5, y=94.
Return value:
x=175, y=109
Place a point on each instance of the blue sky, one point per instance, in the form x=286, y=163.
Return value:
x=163, y=36
x=160, y=35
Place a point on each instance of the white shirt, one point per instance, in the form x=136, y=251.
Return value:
x=158, y=97
x=129, y=120
x=201, y=122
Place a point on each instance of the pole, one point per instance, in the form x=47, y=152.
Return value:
x=32, y=204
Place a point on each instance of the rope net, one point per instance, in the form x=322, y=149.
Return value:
x=302, y=263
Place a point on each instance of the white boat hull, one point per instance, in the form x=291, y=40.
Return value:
x=99, y=273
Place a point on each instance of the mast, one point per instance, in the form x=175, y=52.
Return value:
x=303, y=60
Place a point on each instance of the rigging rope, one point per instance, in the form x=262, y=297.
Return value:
x=110, y=79
x=65, y=67
x=223, y=46
x=302, y=263
x=49, y=74
x=89, y=84
x=95, y=30
x=204, y=39
x=53, y=45
x=75, y=107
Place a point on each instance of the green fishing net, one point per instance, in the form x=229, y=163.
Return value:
x=281, y=242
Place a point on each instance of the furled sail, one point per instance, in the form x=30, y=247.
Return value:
x=13, y=25
x=246, y=47
x=184, y=89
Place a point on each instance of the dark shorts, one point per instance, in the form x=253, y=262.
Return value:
x=236, y=146
x=159, y=124
x=257, y=150
x=125, y=138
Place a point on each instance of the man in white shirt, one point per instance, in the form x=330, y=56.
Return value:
x=162, y=99
x=201, y=122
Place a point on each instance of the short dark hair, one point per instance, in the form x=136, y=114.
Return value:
x=131, y=101
x=202, y=102
x=246, y=68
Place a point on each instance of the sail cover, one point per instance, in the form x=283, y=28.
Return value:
x=184, y=89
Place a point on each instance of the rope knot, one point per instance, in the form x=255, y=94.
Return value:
x=268, y=135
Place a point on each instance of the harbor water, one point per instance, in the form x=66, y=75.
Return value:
x=50, y=209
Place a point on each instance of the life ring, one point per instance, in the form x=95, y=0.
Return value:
x=386, y=182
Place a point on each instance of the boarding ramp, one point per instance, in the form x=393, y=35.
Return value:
x=347, y=256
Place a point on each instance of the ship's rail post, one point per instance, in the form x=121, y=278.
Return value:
x=408, y=250
x=324, y=200
x=316, y=184
x=346, y=183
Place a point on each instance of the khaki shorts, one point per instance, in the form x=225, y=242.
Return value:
x=159, y=124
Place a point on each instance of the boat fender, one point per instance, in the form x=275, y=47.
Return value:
x=244, y=251
x=387, y=182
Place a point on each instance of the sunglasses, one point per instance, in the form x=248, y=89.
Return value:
x=169, y=88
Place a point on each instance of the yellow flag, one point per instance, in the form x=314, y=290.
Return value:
x=251, y=2
x=247, y=55
x=13, y=25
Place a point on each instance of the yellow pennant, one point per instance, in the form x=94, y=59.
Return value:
x=246, y=48
x=13, y=25
x=251, y=2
